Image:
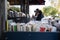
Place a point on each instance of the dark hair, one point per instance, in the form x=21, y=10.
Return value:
x=36, y=10
x=40, y=11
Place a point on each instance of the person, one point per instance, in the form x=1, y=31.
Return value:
x=38, y=14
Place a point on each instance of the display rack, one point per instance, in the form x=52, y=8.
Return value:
x=18, y=19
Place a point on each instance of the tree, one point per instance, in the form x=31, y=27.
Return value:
x=15, y=9
x=50, y=11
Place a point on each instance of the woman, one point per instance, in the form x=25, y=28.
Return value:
x=38, y=14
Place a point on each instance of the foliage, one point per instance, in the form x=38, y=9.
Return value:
x=15, y=9
x=50, y=11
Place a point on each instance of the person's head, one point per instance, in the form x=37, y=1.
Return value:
x=36, y=12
